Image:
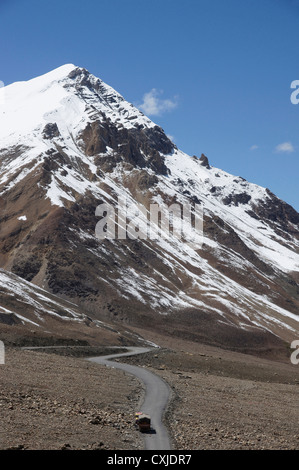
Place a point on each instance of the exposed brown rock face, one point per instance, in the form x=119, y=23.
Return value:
x=140, y=148
x=275, y=210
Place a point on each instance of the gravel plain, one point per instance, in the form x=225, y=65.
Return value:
x=220, y=400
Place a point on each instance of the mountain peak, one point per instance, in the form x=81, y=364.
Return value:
x=69, y=96
x=68, y=143
x=58, y=73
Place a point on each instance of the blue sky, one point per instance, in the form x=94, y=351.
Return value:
x=215, y=74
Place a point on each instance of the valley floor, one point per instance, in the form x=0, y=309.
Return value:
x=50, y=402
x=227, y=400
x=220, y=400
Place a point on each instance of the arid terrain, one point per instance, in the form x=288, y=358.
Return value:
x=210, y=276
x=55, y=402
x=220, y=400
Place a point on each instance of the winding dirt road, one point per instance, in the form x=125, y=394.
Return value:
x=157, y=394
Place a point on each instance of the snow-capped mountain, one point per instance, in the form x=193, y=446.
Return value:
x=68, y=143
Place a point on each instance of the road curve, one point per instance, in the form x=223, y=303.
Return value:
x=157, y=394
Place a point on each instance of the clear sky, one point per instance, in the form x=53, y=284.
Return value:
x=214, y=74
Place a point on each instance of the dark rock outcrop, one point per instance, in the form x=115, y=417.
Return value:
x=204, y=161
x=236, y=199
x=51, y=130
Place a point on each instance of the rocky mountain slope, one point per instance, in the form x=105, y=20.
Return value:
x=31, y=316
x=69, y=143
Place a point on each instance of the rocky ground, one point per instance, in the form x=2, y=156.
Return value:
x=220, y=400
x=49, y=401
x=226, y=400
